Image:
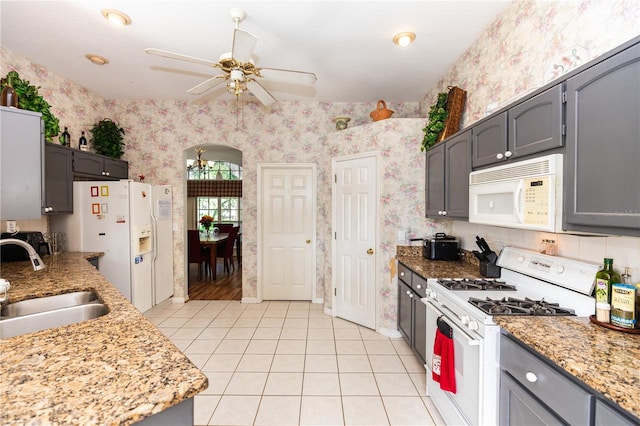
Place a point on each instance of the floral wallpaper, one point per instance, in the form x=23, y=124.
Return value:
x=524, y=48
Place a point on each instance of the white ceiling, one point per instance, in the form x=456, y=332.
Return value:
x=347, y=44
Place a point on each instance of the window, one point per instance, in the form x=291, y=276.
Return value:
x=221, y=209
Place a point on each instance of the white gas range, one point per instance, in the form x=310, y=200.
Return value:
x=530, y=284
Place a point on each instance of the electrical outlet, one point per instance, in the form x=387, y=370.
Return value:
x=11, y=226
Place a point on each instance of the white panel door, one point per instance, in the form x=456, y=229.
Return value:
x=287, y=218
x=355, y=195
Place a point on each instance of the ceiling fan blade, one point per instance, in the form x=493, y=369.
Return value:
x=260, y=92
x=179, y=56
x=243, y=44
x=289, y=76
x=206, y=85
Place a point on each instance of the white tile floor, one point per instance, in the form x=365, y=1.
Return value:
x=287, y=363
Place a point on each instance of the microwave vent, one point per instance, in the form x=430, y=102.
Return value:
x=523, y=169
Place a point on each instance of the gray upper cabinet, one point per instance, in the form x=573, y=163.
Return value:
x=21, y=164
x=490, y=141
x=602, y=161
x=94, y=166
x=58, y=179
x=531, y=127
x=536, y=124
x=448, y=165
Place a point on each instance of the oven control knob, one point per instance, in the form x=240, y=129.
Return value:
x=520, y=259
x=472, y=325
x=432, y=294
x=559, y=269
x=464, y=319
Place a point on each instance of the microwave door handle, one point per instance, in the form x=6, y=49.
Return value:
x=519, y=202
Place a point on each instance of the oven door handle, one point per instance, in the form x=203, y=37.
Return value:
x=470, y=340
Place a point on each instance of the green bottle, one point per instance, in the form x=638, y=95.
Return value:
x=604, y=278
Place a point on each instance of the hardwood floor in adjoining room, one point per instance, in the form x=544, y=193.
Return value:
x=225, y=287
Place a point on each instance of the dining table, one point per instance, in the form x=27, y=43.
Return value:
x=212, y=241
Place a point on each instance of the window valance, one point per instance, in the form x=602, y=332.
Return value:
x=214, y=188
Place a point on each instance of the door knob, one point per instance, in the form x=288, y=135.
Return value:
x=308, y=241
x=370, y=251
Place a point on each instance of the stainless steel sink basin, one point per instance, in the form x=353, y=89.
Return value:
x=16, y=326
x=49, y=303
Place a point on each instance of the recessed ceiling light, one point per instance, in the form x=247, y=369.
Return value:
x=404, y=39
x=97, y=59
x=116, y=17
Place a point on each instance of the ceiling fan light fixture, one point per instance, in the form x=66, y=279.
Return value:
x=404, y=39
x=116, y=17
x=96, y=59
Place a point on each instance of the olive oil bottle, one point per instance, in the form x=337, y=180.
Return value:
x=604, y=278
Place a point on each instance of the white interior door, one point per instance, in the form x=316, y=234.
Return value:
x=355, y=193
x=286, y=214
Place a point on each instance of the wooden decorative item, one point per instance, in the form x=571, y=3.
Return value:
x=455, y=107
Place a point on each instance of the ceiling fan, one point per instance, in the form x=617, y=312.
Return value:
x=238, y=67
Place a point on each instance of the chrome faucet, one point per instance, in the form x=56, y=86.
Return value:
x=36, y=261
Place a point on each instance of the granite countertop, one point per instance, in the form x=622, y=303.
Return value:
x=606, y=360
x=115, y=369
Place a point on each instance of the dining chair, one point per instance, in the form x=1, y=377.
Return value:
x=226, y=251
x=197, y=253
x=224, y=228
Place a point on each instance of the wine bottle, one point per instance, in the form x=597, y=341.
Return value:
x=604, y=278
x=65, y=138
x=82, y=143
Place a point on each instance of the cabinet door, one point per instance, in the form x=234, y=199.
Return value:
x=404, y=311
x=457, y=168
x=434, y=184
x=116, y=169
x=490, y=141
x=21, y=164
x=535, y=125
x=519, y=407
x=603, y=150
x=59, y=179
x=420, y=329
x=86, y=163
x=608, y=414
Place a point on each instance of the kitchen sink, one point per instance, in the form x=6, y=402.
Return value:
x=30, y=323
x=48, y=303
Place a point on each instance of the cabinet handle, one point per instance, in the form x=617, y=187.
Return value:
x=444, y=213
x=48, y=209
x=106, y=173
x=419, y=286
x=531, y=377
x=508, y=154
x=402, y=274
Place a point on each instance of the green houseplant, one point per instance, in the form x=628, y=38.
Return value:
x=107, y=137
x=29, y=99
x=435, y=125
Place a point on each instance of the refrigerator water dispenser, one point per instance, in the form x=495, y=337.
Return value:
x=143, y=240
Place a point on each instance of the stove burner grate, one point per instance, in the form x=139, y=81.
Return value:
x=475, y=284
x=513, y=306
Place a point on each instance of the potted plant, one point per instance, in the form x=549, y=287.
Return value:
x=29, y=99
x=437, y=117
x=107, y=137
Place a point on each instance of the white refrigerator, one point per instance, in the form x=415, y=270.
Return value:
x=130, y=222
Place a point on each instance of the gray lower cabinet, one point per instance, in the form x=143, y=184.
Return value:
x=21, y=164
x=533, y=391
x=411, y=311
x=448, y=165
x=95, y=166
x=58, y=179
x=609, y=415
x=603, y=147
x=530, y=127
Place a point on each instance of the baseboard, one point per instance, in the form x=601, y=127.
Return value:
x=250, y=300
x=392, y=334
x=318, y=300
x=176, y=299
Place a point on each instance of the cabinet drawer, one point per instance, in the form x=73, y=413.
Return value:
x=419, y=284
x=404, y=273
x=568, y=400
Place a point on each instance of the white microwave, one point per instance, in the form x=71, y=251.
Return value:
x=525, y=194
